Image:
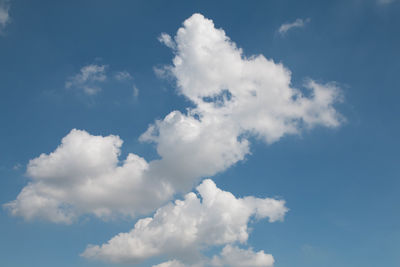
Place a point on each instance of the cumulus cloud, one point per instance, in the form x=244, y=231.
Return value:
x=298, y=23
x=84, y=176
x=4, y=14
x=230, y=256
x=234, y=97
x=233, y=256
x=182, y=229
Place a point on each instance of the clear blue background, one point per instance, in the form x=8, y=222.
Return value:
x=342, y=186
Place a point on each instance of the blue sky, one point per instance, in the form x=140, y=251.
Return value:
x=102, y=67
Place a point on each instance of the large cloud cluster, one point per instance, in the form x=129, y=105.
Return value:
x=234, y=97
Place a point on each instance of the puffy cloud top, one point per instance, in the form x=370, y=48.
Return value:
x=187, y=226
x=84, y=175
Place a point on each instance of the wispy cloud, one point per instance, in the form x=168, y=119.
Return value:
x=298, y=23
x=123, y=76
x=88, y=79
x=385, y=2
x=17, y=166
x=167, y=40
x=4, y=14
x=135, y=92
x=91, y=78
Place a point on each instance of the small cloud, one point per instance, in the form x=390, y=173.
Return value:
x=385, y=2
x=163, y=72
x=4, y=14
x=298, y=23
x=135, y=92
x=91, y=90
x=88, y=79
x=167, y=40
x=92, y=78
x=122, y=76
x=17, y=166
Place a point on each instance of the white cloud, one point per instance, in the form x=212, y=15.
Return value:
x=84, y=176
x=92, y=78
x=4, y=14
x=234, y=97
x=167, y=40
x=135, y=92
x=183, y=229
x=298, y=23
x=89, y=79
x=233, y=256
x=230, y=256
x=171, y=263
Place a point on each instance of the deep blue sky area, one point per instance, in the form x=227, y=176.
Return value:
x=341, y=185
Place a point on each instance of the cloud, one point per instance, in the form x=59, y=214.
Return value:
x=231, y=256
x=171, y=263
x=234, y=98
x=167, y=40
x=88, y=79
x=235, y=257
x=84, y=176
x=4, y=14
x=17, y=166
x=122, y=76
x=182, y=229
x=135, y=92
x=93, y=77
x=298, y=23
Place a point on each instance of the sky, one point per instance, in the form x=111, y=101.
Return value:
x=199, y=133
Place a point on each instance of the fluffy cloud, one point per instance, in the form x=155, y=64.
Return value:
x=298, y=23
x=84, y=175
x=236, y=257
x=4, y=15
x=186, y=227
x=230, y=256
x=234, y=97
